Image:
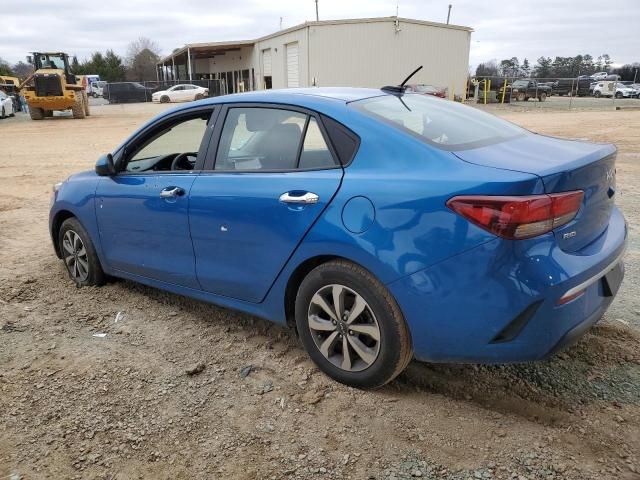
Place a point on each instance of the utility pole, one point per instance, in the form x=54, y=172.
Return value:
x=280, y=23
x=317, y=16
x=449, y=14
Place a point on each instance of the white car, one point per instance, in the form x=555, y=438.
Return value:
x=180, y=93
x=95, y=89
x=6, y=105
x=599, y=75
x=636, y=88
x=606, y=89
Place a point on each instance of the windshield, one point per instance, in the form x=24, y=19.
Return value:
x=520, y=83
x=44, y=60
x=448, y=125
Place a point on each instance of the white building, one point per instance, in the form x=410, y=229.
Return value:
x=369, y=52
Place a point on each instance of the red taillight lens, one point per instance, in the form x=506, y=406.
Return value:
x=516, y=217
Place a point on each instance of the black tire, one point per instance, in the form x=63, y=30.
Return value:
x=164, y=99
x=85, y=99
x=542, y=97
x=618, y=95
x=95, y=274
x=394, y=346
x=199, y=96
x=78, y=106
x=520, y=97
x=36, y=113
x=597, y=94
x=2, y=113
x=48, y=113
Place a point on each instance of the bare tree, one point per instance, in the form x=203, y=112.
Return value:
x=142, y=56
x=22, y=70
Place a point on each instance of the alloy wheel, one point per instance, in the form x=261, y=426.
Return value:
x=344, y=328
x=75, y=256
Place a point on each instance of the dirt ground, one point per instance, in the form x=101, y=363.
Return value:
x=73, y=405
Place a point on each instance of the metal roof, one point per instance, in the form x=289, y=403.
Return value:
x=207, y=49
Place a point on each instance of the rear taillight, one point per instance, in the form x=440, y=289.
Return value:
x=518, y=217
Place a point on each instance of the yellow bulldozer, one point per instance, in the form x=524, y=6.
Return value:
x=52, y=86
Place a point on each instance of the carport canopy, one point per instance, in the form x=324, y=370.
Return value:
x=169, y=68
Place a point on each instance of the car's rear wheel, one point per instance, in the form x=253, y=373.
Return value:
x=351, y=326
x=597, y=94
x=79, y=254
x=164, y=99
x=542, y=97
x=199, y=96
x=520, y=97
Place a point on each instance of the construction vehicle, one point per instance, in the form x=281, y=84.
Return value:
x=52, y=86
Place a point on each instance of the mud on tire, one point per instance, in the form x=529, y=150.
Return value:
x=78, y=106
x=393, y=349
x=69, y=229
x=36, y=113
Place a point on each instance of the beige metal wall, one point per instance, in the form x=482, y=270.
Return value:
x=279, y=58
x=374, y=54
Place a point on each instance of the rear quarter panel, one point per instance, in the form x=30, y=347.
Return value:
x=408, y=182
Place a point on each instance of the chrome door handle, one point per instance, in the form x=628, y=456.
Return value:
x=171, y=192
x=305, y=199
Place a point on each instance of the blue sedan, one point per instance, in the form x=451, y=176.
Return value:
x=380, y=225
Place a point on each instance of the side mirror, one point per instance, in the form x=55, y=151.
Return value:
x=105, y=166
x=29, y=59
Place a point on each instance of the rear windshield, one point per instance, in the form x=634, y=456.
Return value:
x=443, y=123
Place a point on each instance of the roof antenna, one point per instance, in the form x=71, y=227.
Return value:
x=401, y=88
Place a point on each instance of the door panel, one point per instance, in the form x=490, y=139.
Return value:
x=145, y=234
x=243, y=234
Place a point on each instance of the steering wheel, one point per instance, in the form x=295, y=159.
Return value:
x=182, y=162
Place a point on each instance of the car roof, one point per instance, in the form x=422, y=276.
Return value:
x=342, y=94
x=324, y=100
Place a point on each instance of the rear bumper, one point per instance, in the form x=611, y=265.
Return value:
x=498, y=303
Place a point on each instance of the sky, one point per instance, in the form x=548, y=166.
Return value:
x=501, y=29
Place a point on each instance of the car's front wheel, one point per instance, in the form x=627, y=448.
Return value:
x=79, y=254
x=351, y=326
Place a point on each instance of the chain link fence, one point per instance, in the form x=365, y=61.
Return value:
x=553, y=93
x=175, y=91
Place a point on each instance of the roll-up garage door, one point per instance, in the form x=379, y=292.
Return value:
x=292, y=65
x=266, y=62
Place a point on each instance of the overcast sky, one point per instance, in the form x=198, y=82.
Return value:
x=501, y=29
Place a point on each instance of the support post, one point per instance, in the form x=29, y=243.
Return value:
x=173, y=68
x=189, y=62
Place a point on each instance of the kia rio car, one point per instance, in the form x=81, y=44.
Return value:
x=382, y=226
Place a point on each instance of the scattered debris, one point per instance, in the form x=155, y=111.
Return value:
x=119, y=316
x=11, y=326
x=99, y=335
x=196, y=369
x=245, y=371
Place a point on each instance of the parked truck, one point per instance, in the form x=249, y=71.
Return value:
x=523, y=90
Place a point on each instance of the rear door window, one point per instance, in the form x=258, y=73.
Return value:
x=271, y=139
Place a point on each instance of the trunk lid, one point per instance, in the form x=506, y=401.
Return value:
x=563, y=165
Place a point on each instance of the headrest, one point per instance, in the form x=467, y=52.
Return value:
x=261, y=119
